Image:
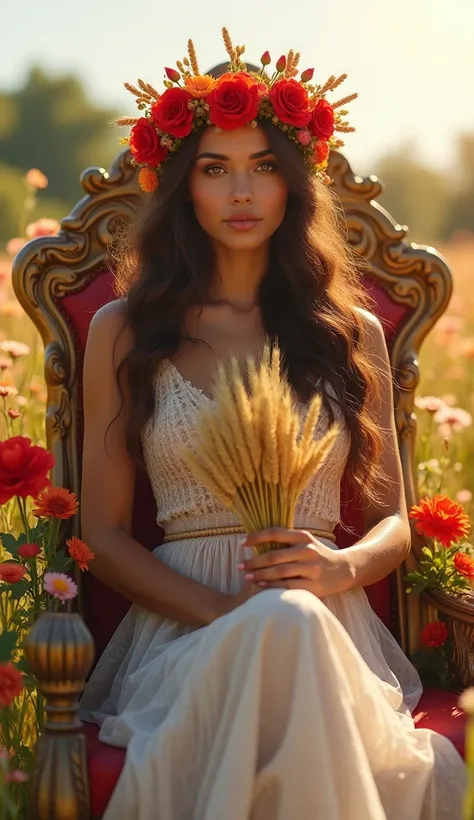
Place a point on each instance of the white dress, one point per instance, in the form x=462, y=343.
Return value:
x=288, y=708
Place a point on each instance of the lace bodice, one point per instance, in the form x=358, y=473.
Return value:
x=179, y=494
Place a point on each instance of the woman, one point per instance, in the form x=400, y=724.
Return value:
x=248, y=686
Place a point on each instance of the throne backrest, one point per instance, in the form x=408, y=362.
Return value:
x=62, y=281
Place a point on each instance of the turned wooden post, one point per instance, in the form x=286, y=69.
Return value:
x=60, y=652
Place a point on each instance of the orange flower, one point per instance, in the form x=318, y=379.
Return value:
x=11, y=683
x=464, y=564
x=80, y=552
x=442, y=518
x=199, y=86
x=55, y=502
x=434, y=634
x=147, y=180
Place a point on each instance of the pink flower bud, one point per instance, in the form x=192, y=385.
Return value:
x=173, y=75
x=281, y=64
x=303, y=136
x=265, y=59
x=307, y=75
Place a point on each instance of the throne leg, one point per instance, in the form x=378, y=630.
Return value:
x=60, y=652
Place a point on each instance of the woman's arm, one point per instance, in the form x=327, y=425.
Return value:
x=108, y=485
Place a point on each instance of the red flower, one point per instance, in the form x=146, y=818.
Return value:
x=322, y=120
x=11, y=573
x=464, y=564
x=434, y=634
x=11, y=683
x=234, y=101
x=442, y=518
x=145, y=143
x=23, y=468
x=172, y=114
x=321, y=151
x=290, y=103
x=28, y=551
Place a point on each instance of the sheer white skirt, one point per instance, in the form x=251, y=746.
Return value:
x=288, y=708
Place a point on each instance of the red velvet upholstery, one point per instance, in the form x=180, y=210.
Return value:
x=437, y=710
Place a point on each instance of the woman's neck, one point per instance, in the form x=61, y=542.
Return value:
x=238, y=276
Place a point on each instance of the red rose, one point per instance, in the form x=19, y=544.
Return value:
x=11, y=683
x=290, y=103
x=234, y=101
x=28, y=551
x=172, y=114
x=145, y=143
x=11, y=573
x=24, y=468
x=322, y=120
x=434, y=634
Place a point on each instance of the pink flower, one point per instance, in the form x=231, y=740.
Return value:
x=464, y=496
x=16, y=776
x=15, y=245
x=5, y=363
x=36, y=178
x=7, y=390
x=15, y=349
x=430, y=403
x=303, y=136
x=60, y=586
x=42, y=227
x=454, y=417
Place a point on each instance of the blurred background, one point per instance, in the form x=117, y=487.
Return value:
x=61, y=83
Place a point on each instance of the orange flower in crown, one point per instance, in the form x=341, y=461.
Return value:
x=238, y=98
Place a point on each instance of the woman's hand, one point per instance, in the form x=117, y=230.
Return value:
x=306, y=563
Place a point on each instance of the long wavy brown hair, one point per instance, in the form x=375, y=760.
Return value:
x=308, y=299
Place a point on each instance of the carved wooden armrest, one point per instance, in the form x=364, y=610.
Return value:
x=60, y=652
x=459, y=614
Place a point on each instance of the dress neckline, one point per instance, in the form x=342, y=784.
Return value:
x=193, y=388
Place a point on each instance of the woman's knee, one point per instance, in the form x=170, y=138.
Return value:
x=285, y=607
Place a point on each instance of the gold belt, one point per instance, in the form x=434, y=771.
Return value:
x=235, y=530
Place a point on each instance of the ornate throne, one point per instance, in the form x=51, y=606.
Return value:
x=61, y=281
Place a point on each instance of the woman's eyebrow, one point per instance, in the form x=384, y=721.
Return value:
x=258, y=155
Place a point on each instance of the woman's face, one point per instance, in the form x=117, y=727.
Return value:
x=238, y=193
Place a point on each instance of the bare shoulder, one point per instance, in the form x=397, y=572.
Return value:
x=109, y=332
x=373, y=338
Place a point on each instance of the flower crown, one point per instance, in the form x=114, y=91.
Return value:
x=237, y=98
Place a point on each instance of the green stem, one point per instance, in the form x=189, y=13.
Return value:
x=24, y=516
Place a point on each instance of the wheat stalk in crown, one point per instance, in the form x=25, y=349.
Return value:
x=252, y=451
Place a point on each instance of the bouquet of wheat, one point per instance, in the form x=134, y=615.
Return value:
x=252, y=451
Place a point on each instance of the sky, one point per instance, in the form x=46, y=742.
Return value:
x=412, y=62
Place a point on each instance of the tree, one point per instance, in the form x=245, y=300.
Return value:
x=461, y=211
x=414, y=194
x=52, y=125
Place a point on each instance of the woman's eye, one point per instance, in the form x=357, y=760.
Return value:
x=214, y=170
x=267, y=166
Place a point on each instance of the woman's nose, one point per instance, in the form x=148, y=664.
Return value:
x=241, y=191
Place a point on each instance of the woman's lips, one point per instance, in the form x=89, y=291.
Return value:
x=243, y=224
